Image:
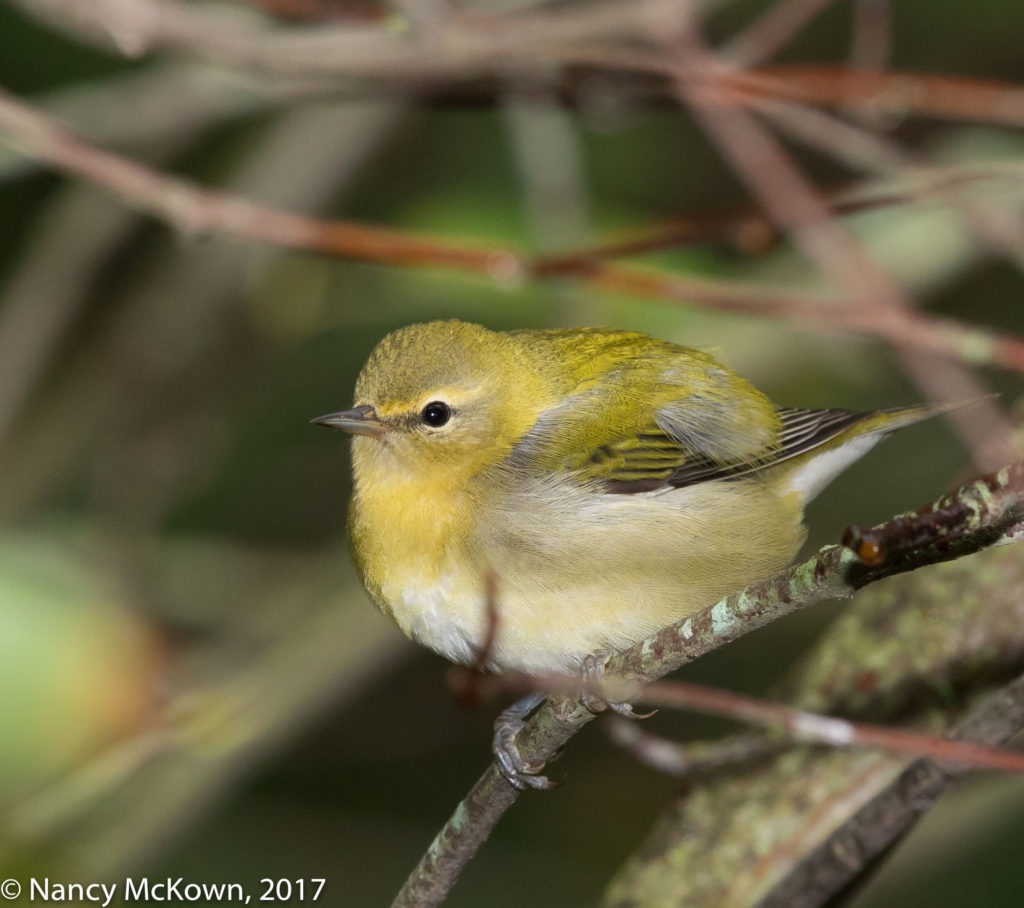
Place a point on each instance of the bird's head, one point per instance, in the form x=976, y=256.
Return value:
x=443, y=399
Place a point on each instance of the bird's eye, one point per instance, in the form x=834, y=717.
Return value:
x=436, y=413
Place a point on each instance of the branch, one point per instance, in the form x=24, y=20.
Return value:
x=823, y=816
x=894, y=93
x=815, y=728
x=464, y=47
x=771, y=31
x=871, y=46
x=194, y=210
x=886, y=817
x=752, y=232
x=917, y=650
x=800, y=725
x=319, y=10
x=151, y=107
x=973, y=517
x=787, y=196
x=585, y=34
x=694, y=759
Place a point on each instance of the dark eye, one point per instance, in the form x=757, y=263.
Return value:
x=436, y=413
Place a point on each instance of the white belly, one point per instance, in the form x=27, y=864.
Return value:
x=444, y=615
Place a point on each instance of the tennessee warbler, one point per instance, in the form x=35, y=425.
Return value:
x=612, y=482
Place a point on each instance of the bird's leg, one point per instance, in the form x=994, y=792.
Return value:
x=592, y=668
x=514, y=768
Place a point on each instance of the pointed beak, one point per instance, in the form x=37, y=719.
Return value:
x=357, y=421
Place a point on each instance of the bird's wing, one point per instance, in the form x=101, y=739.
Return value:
x=661, y=416
x=677, y=445
x=802, y=431
x=642, y=414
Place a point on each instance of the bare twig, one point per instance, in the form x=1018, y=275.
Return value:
x=799, y=725
x=872, y=34
x=320, y=10
x=427, y=17
x=752, y=232
x=467, y=47
x=694, y=758
x=892, y=92
x=981, y=512
x=44, y=295
x=817, y=729
x=772, y=31
x=152, y=107
x=601, y=34
x=194, y=210
x=790, y=200
x=550, y=166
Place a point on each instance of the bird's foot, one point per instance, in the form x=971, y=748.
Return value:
x=593, y=667
x=513, y=767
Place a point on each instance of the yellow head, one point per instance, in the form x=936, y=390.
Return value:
x=441, y=400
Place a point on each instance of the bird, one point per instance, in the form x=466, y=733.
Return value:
x=608, y=483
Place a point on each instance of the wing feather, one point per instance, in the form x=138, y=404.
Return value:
x=802, y=431
x=645, y=415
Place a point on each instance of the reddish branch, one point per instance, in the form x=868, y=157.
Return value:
x=798, y=724
x=814, y=728
x=196, y=210
x=892, y=92
x=320, y=10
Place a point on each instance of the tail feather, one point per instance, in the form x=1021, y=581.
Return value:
x=810, y=471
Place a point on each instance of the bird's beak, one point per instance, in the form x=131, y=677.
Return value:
x=357, y=421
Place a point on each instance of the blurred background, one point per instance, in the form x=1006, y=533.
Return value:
x=194, y=682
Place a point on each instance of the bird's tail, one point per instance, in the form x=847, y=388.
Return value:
x=845, y=437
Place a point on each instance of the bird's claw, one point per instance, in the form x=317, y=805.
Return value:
x=627, y=712
x=593, y=667
x=519, y=774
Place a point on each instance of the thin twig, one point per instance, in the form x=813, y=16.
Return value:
x=693, y=758
x=603, y=34
x=800, y=725
x=152, y=107
x=894, y=92
x=759, y=159
x=980, y=513
x=817, y=729
x=466, y=46
x=871, y=44
x=321, y=10
x=771, y=31
x=752, y=232
x=194, y=210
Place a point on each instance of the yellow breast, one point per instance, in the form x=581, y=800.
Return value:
x=577, y=571
x=408, y=540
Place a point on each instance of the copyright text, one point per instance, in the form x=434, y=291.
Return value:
x=172, y=890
